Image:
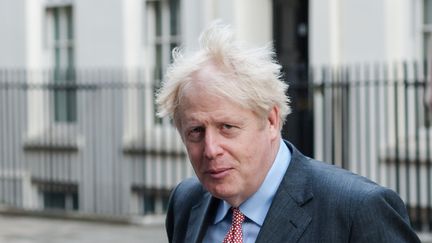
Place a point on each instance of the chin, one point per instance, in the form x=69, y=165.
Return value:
x=222, y=193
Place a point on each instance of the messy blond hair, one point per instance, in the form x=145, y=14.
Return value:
x=251, y=77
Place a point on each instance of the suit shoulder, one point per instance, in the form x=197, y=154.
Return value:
x=186, y=193
x=335, y=178
x=348, y=190
x=183, y=198
x=190, y=184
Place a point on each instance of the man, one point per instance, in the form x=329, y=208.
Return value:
x=228, y=103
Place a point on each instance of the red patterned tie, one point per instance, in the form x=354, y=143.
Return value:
x=235, y=234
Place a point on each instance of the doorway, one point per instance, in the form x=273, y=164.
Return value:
x=290, y=34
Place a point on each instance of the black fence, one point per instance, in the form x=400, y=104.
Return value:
x=88, y=141
x=375, y=120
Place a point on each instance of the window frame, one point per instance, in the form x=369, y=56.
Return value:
x=160, y=35
x=426, y=31
x=60, y=43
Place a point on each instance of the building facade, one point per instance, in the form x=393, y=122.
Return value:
x=78, y=124
x=78, y=129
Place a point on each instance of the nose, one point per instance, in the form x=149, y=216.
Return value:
x=212, y=146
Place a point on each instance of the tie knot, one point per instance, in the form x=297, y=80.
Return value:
x=238, y=216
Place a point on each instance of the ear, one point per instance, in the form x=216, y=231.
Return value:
x=274, y=121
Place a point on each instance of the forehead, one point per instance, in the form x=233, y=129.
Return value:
x=198, y=98
x=199, y=104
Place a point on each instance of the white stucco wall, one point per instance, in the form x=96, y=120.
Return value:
x=108, y=33
x=12, y=33
x=34, y=29
x=358, y=31
x=133, y=28
x=250, y=19
x=98, y=33
x=253, y=20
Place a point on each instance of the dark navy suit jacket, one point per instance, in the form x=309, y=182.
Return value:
x=315, y=202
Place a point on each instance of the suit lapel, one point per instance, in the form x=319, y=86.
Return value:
x=287, y=219
x=200, y=217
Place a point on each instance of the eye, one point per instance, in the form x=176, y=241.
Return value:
x=229, y=129
x=195, y=134
x=227, y=126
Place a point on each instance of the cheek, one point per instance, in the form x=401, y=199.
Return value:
x=195, y=154
x=257, y=153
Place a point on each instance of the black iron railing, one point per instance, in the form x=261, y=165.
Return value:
x=375, y=120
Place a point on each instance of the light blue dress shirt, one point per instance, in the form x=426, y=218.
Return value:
x=254, y=208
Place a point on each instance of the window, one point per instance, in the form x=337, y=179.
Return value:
x=60, y=200
x=427, y=52
x=155, y=201
x=427, y=28
x=60, y=42
x=152, y=201
x=162, y=36
x=62, y=196
x=149, y=203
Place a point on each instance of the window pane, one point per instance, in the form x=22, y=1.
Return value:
x=71, y=105
x=65, y=109
x=70, y=57
x=57, y=57
x=427, y=44
x=54, y=200
x=427, y=12
x=158, y=23
x=159, y=64
x=56, y=19
x=174, y=16
x=165, y=200
x=149, y=203
x=60, y=106
x=75, y=202
x=69, y=23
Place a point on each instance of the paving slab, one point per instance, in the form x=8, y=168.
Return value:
x=23, y=229
x=30, y=229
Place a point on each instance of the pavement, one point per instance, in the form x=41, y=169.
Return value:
x=31, y=229
x=425, y=237
x=24, y=229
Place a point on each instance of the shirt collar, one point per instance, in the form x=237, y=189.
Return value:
x=256, y=207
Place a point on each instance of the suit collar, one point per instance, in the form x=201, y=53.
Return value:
x=296, y=179
x=201, y=216
x=287, y=219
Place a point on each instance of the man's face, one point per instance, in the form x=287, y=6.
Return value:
x=231, y=149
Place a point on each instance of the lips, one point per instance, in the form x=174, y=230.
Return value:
x=219, y=173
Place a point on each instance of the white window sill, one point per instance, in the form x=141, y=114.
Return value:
x=59, y=137
x=160, y=140
x=410, y=149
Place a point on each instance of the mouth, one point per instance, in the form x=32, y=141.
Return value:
x=218, y=173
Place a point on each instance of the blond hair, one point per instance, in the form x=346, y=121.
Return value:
x=251, y=76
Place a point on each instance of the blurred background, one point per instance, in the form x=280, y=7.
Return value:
x=80, y=141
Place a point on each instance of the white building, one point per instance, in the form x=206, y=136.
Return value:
x=353, y=31
x=96, y=148
x=100, y=149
